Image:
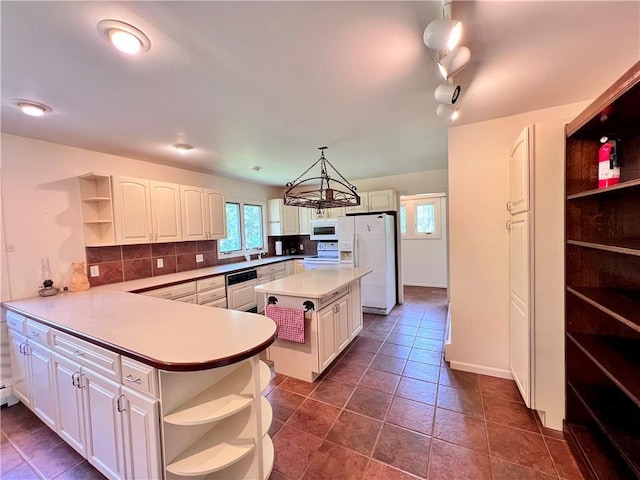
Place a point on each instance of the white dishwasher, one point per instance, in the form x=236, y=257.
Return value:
x=240, y=291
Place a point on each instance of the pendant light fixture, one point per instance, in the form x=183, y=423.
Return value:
x=323, y=191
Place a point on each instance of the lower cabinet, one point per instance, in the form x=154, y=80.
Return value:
x=334, y=330
x=141, y=432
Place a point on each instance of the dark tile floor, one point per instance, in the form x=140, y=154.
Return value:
x=388, y=409
x=391, y=409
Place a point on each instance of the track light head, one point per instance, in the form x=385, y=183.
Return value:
x=443, y=34
x=448, y=112
x=447, y=93
x=454, y=61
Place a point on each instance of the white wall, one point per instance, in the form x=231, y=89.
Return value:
x=424, y=261
x=428, y=181
x=41, y=203
x=479, y=248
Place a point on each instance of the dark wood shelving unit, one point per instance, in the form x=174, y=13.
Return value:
x=602, y=267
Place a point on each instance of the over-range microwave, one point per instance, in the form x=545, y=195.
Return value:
x=324, y=229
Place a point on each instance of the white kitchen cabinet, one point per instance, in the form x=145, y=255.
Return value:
x=289, y=267
x=216, y=214
x=141, y=435
x=298, y=267
x=356, y=310
x=304, y=215
x=103, y=423
x=68, y=398
x=376, y=201
x=342, y=323
x=165, y=211
x=283, y=219
x=97, y=210
x=32, y=370
x=266, y=274
x=327, y=213
x=326, y=336
x=194, y=213
x=132, y=210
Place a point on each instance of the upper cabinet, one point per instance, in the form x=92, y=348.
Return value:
x=146, y=211
x=377, y=201
x=194, y=217
x=283, y=219
x=97, y=210
x=216, y=214
x=132, y=210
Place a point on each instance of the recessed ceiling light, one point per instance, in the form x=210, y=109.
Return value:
x=124, y=37
x=34, y=109
x=183, y=147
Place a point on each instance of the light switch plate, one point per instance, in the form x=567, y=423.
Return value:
x=199, y=258
x=160, y=263
x=94, y=271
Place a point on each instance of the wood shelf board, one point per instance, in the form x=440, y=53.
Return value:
x=246, y=468
x=97, y=222
x=202, y=410
x=592, y=454
x=616, y=429
x=626, y=246
x=202, y=459
x=607, y=300
x=592, y=114
x=615, y=357
x=94, y=176
x=268, y=456
x=599, y=191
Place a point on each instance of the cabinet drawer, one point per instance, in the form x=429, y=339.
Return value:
x=100, y=360
x=334, y=296
x=38, y=332
x=15, y=321
x=222, y=303
x=212, y=295
x=140, y=377
x=173, y=292
x=210, y=283
x=187, y=299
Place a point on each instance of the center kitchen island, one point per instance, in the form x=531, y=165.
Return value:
x=330, y=299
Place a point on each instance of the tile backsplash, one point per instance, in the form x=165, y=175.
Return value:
x=121, y=263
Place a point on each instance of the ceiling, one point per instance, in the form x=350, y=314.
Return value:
x=266, y=83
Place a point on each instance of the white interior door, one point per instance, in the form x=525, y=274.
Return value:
x=520, y=172
x=519, y=304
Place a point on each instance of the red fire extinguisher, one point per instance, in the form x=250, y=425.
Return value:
x=608, y=163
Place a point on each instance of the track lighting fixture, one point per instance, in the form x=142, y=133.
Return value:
x=454, y=61
x=447, y=94
x=443, y=34
x=448, y=112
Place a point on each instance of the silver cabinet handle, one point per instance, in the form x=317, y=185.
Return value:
x=129, y=378
x=119, y=406
x=78, y=353
x=34, y=334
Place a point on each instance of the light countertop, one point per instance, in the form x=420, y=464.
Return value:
x=317, y=283
x=166, y=334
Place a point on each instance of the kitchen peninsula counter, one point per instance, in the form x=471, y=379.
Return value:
x=330, y=298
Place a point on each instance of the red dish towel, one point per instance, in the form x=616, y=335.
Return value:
x=290, y=322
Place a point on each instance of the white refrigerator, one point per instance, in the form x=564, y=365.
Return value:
x=369, y=241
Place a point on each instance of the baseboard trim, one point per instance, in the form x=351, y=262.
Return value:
x=433, y=285
x=481, y=369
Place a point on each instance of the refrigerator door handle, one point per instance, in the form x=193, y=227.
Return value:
x=355, y=250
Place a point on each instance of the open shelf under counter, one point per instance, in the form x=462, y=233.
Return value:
x=265, y=376
x=627, y=246
x=266, y=415
x=208, y=456
x=621, y=432
x=621, y=307
x=244, y=467
x=228, y=396
x=616, y=357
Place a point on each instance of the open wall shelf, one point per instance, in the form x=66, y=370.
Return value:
x=602, y=265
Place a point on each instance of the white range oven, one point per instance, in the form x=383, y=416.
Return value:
x=327, y=256
x=324, y=229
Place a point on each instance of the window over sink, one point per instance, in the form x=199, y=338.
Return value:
x=245, y=229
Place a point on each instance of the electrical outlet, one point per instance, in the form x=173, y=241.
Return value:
x=94, y=271
x=199, y=258
x=160, y=263
x=302, y=247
